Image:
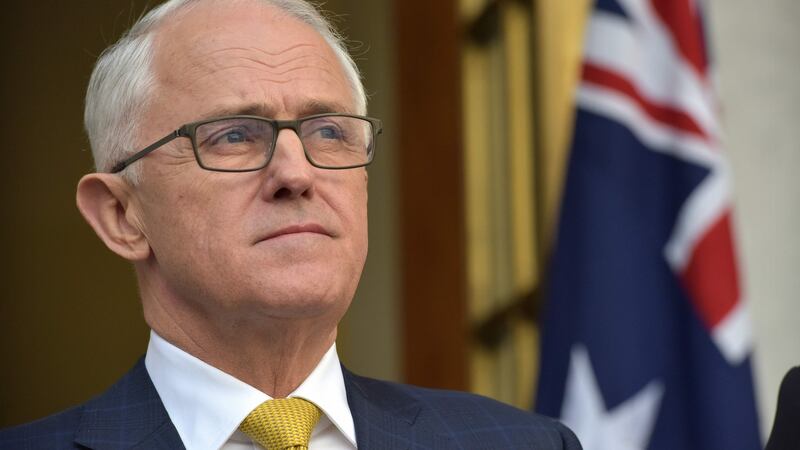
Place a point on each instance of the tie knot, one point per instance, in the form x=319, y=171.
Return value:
x=281, y=424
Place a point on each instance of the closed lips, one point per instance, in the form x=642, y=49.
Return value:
x=294, y=229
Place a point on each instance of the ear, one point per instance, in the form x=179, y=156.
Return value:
x=105, y=201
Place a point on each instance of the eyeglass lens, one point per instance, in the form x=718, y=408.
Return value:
x=246, y=143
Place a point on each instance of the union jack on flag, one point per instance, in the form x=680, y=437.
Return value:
x=646, y=339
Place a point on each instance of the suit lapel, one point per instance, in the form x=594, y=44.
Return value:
x=384, y=416
x=129, y=415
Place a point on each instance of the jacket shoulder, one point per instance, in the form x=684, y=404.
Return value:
x=123, y=413
x=473, y=421
x=471, y=418
x=53, y=432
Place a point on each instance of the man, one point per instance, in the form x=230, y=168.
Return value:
x=230, y=144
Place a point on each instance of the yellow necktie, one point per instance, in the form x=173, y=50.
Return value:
x=281, y=424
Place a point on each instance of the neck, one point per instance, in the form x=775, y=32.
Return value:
x=273, y=354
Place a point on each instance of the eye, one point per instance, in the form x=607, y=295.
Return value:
x=329, y=132
x=235, y=136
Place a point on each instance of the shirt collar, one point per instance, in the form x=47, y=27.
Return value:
x=206, y=405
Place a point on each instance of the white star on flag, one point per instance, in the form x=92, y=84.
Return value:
x=627, y=427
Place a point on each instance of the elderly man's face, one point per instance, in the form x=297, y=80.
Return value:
x=289, y=240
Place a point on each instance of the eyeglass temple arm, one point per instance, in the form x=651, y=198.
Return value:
x=120, y=166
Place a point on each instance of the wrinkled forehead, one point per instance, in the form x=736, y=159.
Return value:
x=209, y=22
x=252, y=44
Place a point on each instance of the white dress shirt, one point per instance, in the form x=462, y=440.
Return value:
x=206, y=405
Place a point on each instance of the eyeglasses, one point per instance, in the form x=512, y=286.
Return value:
x=246, y=143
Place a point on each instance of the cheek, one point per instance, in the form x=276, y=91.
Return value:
x=195, y=247
x=353, y=204
x=358, y=218
x=346, y=198
x=195, y=222
x=179, y=235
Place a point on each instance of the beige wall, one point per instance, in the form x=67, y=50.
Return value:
x=758, y=59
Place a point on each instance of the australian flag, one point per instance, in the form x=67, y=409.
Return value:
x=646, y=340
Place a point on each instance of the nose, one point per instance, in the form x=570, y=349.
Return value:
x=288, y=175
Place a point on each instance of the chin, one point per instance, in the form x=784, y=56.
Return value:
x=302, y=285
x=299, y=300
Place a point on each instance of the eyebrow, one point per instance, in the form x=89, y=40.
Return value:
x=307, y=108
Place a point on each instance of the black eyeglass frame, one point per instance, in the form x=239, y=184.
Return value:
x=189, y=131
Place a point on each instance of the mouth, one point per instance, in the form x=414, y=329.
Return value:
x=311, y=228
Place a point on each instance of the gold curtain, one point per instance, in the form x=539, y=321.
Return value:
x=520, y=63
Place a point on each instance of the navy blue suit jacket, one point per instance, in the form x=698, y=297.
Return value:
x=130, y=415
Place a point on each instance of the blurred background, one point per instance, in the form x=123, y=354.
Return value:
x=476, y=97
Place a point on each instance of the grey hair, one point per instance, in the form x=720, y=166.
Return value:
x=123, y=80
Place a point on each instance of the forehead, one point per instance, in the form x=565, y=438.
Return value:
x=219, y=55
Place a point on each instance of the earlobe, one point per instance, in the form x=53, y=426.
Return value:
x=105, y=200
